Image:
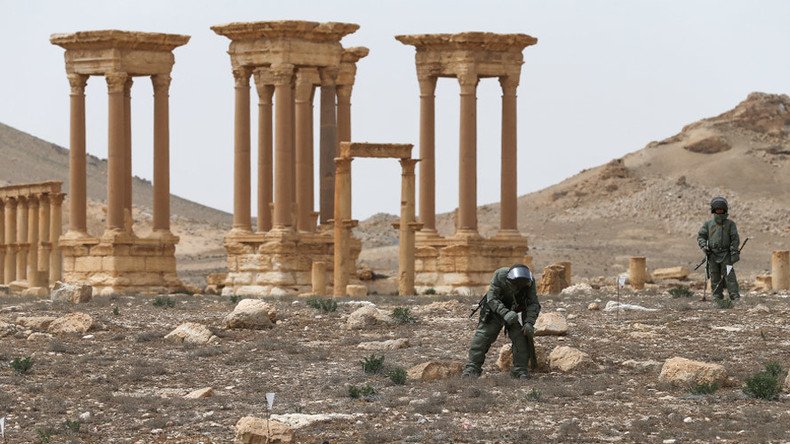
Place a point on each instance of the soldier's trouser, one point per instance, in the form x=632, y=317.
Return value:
x=485, y=335
x=730, y=281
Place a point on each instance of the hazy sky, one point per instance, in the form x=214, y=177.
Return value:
x=605, y=78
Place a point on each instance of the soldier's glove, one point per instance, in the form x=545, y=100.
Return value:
x=511, y=317
x=528, y=330
x=706, y=249
x=735, y=257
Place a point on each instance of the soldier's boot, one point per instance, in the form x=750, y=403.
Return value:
x=732, y=286
x=484, y=336
x=520, y=368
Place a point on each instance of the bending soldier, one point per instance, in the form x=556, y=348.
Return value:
x=511, y=292
x=719, y=239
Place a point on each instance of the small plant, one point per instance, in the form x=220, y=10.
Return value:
x=164, y=301
x=402, y=315
x=22, y=365
x=116, y=311
x=681, y=292
x=234, y=299
x=534, y=395
x=325, y=305
x=44, y=436
x=373, y=364
x=430, y=291
x=367, y=391
x=724, y=303
x=704, y=388
x=398, y=375
x=72, y=426
x=765, y=384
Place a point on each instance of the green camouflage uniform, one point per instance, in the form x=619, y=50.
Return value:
x=721, y=236
x=501, y=299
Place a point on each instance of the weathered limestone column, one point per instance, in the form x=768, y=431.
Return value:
x=241, y=153
x=637, y=272
x=265, y=134
x=161, y=83
x=344, y=113
x=127, y=155
x=328, y=143
x=32, y=240
x=9, y=274
x=305, y=81
x=292, y=145
x=567, y=266
x=55, y=228
x=342, y=217
x=282, y=76
x=77, y=172
x=116, y=171
x=467, y=187
x=45, y=247
x=3, y=245
x=508, y=222
x=427, y=155
x=780, y=270
x=406, y=244
x=21, y=238
x=319, y=278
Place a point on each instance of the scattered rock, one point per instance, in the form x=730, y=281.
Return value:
x=433, y=370
x=760, y=308
x=763, y=283
x=7, y=329
x=299, y=420
x=356, y=291
x=74, y=294
x=40, y=323
x=727, y=328
x=685, y=372
x=565, y=359
x=551, y=324
x=505, y=360
x=76, y=322
x=709, y=145
x=787, y=383
x=364, y=273
x=580, y=289
x=679, y=273
x=392, y=344
x=39, y=336
x=553, y=280
x=251, y=430
x=367, y=316
x=206, y=392
x=253, y=314
x=192, y=333
x=594, y=306
x=613, y=306
x=5, y=290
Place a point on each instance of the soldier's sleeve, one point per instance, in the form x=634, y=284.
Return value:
x=735, y=239
x=702, y=235
x=494, y=295
x=533, y=306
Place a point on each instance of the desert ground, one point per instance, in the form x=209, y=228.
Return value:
x=121, y=381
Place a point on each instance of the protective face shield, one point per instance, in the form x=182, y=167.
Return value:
x=520, y=276
x=718, y=205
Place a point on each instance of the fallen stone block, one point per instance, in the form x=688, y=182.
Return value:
x=566, y=359
x=356, y=291
x=252, y=314
x=433, y=370
x=679, y=273
x=684, y=372
x=391, y=344
x=76, y=322
x=190, y=332
x=74, y=294
x=39, y=323
x=551, y=324
x=614, y=306
x=553, y=280
x=367, y=316
x=580, y=289
x=205, y=392
x=763, y=283
x=251, y=430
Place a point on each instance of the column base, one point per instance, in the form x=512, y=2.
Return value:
x=508, y=234
x=75, y=235
x=427, y=234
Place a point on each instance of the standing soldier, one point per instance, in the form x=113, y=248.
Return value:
x=512, y=291
x=718, y=238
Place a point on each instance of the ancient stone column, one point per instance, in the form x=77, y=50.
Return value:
x=328, y=143
x=45, y=248
x=344, y=113
x=305, y=80
x=342, y=217
x=3, y=245
x=265, y=134
x=9, y=274
x=780, y=270
x=406, y=244
x=77, y=172
x=567, y=266
x=21, y=238
x=292, y=145
x=127, y=155
x=637, y=272
x=161, y=84
x=241, y=153
x=32, y=240
x=55, y=228
x=467, y=188
x=116, y=168
x=319, y=278
x=282, y=76
x=508, y=222
x=427, y=155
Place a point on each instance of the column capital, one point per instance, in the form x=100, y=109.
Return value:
x=407, y=166
x=43, y=198
x=282, y=74
x=77, y=83
x=306, y=79
x=127, y=87
x=263, y=84
x=427, y=85
x=32, y=200
x=241, y=76
x=116, y=82
x=9, y=200
x=56, y=198
x=328, y=75
x=161, y=83
x=344, y=91
x=343, y=164
x=509, y=85
x=468, y=80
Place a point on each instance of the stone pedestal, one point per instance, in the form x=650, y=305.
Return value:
x=637, y=272
x=780, y=270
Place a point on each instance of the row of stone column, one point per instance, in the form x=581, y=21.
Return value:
x=119, y=174
x=467, y=189
x=285, y=145
x=30, y=228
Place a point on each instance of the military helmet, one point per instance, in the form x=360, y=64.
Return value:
x=520, y=276
x=718, y=202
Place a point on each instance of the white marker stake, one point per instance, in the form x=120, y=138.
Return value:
x=621, y=281
x=270, y=399
x=729, y=269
